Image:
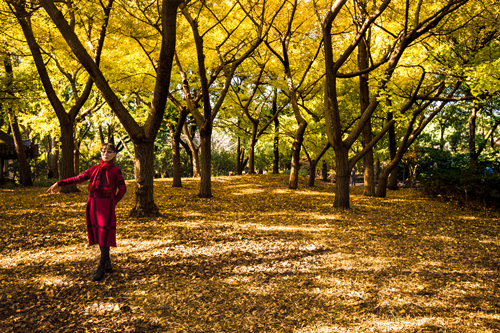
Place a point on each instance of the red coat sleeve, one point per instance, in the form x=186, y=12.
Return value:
x=120, y=184
x=77, y=179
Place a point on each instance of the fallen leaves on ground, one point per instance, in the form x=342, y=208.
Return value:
x=257, y=257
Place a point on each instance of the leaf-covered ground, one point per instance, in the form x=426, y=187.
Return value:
x=257, y=257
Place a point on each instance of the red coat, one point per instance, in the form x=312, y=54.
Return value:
x=100, y=215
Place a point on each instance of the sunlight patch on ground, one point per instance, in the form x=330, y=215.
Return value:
x=47, y=255
x=302, y=227
x=323, y=194
x=396, y=324
x=248, y=191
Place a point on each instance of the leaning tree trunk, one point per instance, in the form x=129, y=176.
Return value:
x=364, y=96
x=342, y=177
x=144, y=172
x=251, y=150
x=24, y=167
x=297, y=144
x=393, y=180
x=206, y=164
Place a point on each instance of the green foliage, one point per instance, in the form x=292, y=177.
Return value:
x=468, y=186
x=223, y=162
x=44, y=182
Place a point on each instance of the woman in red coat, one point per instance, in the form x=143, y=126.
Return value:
x=105, y=179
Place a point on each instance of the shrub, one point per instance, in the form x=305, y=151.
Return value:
x=467, y=185
x=44, y=182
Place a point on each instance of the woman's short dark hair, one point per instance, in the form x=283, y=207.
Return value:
x=108, y=145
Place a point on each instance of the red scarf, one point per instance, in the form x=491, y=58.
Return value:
x=95, y=177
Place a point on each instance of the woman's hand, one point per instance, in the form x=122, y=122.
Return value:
x=53, y=188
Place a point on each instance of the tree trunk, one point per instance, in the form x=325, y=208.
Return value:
x=343, y=174
x=297, y=144
x=368, y=171
x=324, y=172
x=393, y=180
x=194, y=151
x=312, y=173
x=2, y=166
x=276, y=141
x=239, y=158
x=54, y=158
x=24, y=167
x=251, y=149
x=364, y=101
x=206, y=165
x=382, y=184
x=77, y=160
x=68, y=156
x=472, y=135
x=176, y=161
x=144, y=172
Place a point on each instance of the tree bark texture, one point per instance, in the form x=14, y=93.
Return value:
x=472, y=135
x=67, y=165
x=393, y=180
x=251, y=149
x=144, y=171
x=176, y=161
x=343, y=174
x=364, y=101
x=206, y=166
x=24, y=167
x=297, y=144
x=195, y=151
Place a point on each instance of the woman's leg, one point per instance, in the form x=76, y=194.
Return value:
x=99, y=273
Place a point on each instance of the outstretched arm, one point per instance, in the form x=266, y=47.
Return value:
x=53, y=188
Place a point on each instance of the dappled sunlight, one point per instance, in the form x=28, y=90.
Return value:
x=265, y=259
x=248, y=191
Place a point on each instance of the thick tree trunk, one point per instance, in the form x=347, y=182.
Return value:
x=382, y=184
x=68, y=156
x=2, y=166
x=393, y=180
x=24, y=167
x=312, y=173
x=144, y=174
x=297, y=144
x=206, y=165
x=343, y=174
x=176, y=161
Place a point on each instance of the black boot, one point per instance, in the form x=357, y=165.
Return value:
x=108, y=268
x=98, y=274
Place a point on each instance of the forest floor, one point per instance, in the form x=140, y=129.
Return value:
x=257, y=257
